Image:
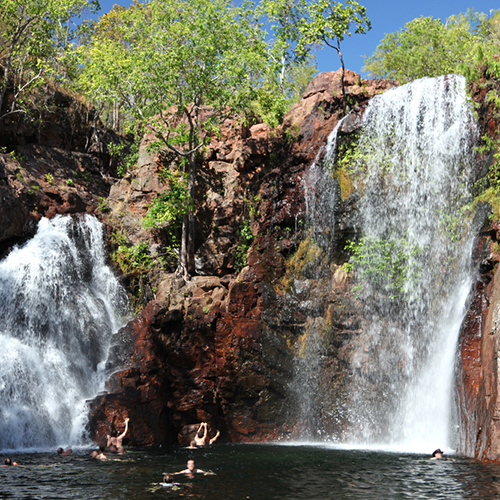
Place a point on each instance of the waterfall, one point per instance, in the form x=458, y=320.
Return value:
x=411, y=172
x=60, y=305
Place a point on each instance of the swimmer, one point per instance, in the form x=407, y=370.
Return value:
x=101, y=455
x=437, y=454
x=191, y=469
x=115, y=440
x=8, y=462
x=94, y=454
x=192, y=445
x=211, y=441
x=201, y=437
x=168, y=481
x=60, y=451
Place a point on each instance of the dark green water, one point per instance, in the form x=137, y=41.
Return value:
x=259, y=472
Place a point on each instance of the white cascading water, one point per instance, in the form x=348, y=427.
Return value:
x=413, y=273
x=60, y=305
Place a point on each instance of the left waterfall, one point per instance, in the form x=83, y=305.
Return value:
x=60, y=306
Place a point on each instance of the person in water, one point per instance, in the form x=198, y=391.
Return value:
x=116, y=440
x=191, y=469
x=60, y=451
x=101, y=455
x=201, y=437
x=8, y=462
x=168, y=481
x=437, y=454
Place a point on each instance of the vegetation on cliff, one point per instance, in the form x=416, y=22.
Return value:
x=181, y=69
x=35, y=37
x=429, y=47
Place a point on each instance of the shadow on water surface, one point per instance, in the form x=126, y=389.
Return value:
x=259, y=472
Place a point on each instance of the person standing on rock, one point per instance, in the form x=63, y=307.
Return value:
x=115, y=440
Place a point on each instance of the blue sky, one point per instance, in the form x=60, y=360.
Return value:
x=386, y=16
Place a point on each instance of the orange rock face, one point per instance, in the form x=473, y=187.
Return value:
x=215, y=366
x=478, y=389
x=209, y=350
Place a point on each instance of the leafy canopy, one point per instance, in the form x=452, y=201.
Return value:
x=327, y=22
x=300, y=26
x=159, y=55
x=34, y=38
x=180, y=67
x=427, y=47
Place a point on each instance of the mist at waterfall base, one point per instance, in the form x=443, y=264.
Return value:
x=60, y=305
x=412, y=177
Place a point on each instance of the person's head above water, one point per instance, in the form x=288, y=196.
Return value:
x=190, y=465
x=8, y=461
x=437, y=453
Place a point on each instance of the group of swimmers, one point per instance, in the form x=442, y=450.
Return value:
x=114, y=443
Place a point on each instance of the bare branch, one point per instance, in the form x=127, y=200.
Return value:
x=13, y=112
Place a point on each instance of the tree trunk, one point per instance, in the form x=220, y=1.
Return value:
x=21, y=27
x=344, y=97
x=186, y=259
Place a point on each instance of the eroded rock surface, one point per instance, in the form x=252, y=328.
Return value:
x=220, y=348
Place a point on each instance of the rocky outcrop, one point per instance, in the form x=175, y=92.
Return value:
x=478, y=389
x=199, y=354
x=53, y=160
x=223, y=347
x=220, y=348
x=38, y=181
x=477, y=381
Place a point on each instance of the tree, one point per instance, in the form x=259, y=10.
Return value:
x=283, y=81
x=34, y=34
x=301, y=26
x=179, y=66
x=274, y=97
x=284, y=17
x=425, y=47
x=328, y=22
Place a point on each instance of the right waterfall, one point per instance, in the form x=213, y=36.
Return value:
x=410, y=170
